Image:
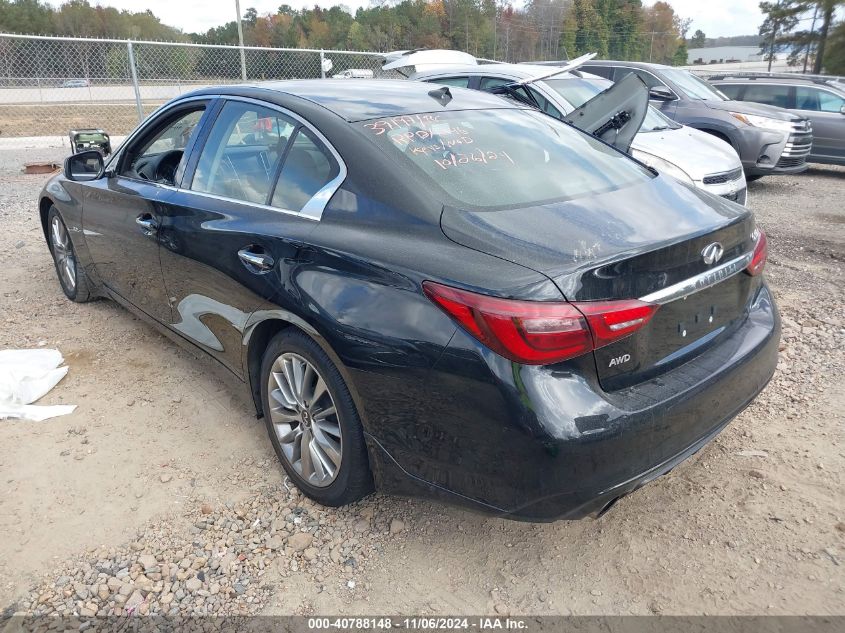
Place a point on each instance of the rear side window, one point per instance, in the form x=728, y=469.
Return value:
x=501, y=158
x=767, y=94
x=240, y=159
x=601, y=71
x=308, y=167
x=458, y=82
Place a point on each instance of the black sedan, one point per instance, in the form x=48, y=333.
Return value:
x=433, y=291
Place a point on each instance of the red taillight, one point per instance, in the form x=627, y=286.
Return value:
x=758, y=259
x=540, y=332
x=613, y=320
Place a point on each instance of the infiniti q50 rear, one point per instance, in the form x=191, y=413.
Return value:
x=432, y=291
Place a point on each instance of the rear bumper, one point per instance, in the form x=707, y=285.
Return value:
x=545, y=443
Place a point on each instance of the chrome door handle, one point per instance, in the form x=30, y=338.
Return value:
x=255, y=261
x=147, y=222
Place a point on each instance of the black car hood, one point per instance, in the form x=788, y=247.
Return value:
x=749, y=107
x=572, y=242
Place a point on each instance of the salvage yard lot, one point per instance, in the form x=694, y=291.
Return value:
x=164, y=468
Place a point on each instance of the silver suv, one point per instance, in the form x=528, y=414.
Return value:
x=816, y=98
x=768, y=140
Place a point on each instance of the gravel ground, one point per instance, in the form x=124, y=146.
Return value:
x=161, y=494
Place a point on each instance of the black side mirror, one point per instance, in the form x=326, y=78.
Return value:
x=84, y=166
x=661, y=93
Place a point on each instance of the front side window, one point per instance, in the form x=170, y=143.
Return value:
x=502, y=158
x=767, y=94
x=731, y=91
x=155, y=157
x=829, y=102
x=809, y=98
x=694, y=87
x=545, y=105
x=241, y=157
x=648, y=79
x=656, y=121
x=489, y=84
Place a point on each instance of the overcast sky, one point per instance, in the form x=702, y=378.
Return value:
x=714, y=17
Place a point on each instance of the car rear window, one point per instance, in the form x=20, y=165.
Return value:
x=504, y=157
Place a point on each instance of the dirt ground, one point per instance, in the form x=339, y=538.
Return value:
x=56, y=119
x=753, y=524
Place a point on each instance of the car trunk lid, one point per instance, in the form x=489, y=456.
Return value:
x=642, y=242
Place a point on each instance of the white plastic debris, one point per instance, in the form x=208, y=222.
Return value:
x=25, y=376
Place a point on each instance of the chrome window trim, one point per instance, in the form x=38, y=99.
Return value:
x=315, y=207
x=699, y=282
x=256, y=205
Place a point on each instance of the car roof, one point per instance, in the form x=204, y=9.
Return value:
x=518, y=71
x=524, y=71
x=609, y=62
x=361, y=99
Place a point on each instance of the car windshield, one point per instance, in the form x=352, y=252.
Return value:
x=578, y=91
x=694, y=87
x=655, y=121
x=503, y=158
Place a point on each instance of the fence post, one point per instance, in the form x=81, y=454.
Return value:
x=241, y=39
x=322, y=68
x=134, y=72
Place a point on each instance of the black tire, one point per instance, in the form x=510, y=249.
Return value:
x=76, y=288
x=353, y=479
x=753, y=178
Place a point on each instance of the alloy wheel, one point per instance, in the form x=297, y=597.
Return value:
x=63, y=253
x=305, y=419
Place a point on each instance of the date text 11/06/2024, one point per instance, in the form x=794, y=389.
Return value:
x=481, y=623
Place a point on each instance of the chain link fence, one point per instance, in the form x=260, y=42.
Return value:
x=50, y=85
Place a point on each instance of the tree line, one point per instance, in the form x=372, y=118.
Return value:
x=495, y=29
x=77, y=18
x=807, y=30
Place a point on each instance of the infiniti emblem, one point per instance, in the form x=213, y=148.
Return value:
x=712, y=253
